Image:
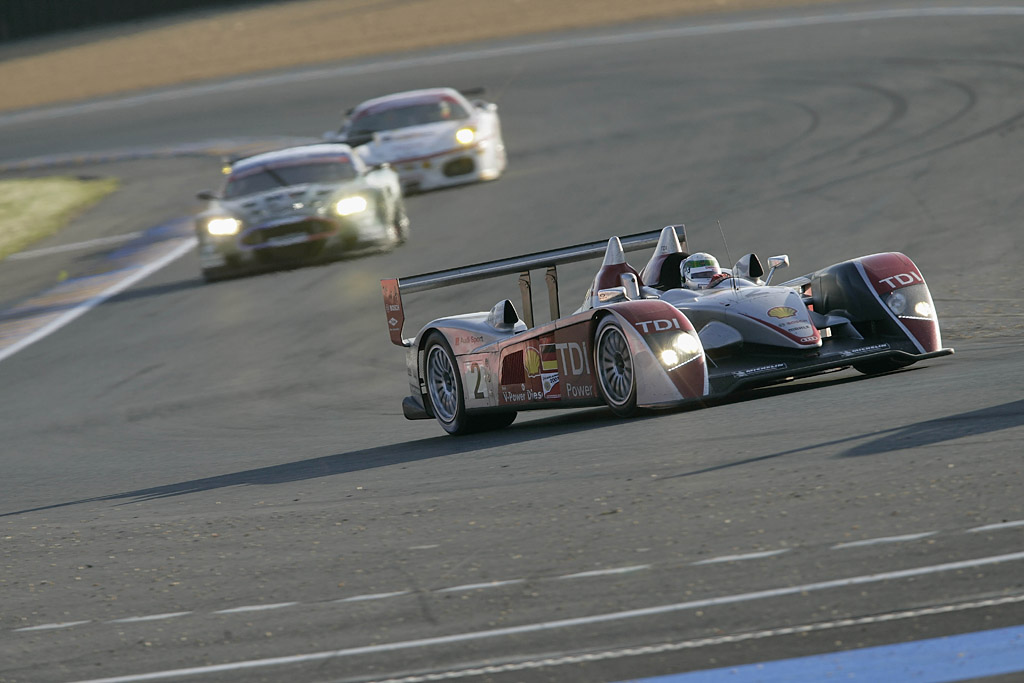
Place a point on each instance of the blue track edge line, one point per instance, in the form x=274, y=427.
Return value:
x=935, y=660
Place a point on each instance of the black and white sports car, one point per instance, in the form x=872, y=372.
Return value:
x=433, y=138
x=298, y=205
x=633, y=345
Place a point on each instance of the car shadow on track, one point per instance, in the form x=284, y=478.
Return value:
x=361, y=459
x=920, y=434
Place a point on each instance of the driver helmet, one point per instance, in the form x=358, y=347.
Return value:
x=698, y=269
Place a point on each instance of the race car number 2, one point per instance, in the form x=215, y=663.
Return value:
x=476, y=379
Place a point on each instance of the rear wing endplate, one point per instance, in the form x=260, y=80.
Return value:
x=393, y=288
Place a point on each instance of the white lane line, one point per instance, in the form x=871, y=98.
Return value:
x=81, y=309
x=474, y=586
x=148, y=617
x=689, y=30
x=606, y=572
x=996, y=527
x=883, y=539
x=424, y=547
x=373, y=596
x=255, y=608
x=740, y=558
x=76, y=246
x=698, y=643
x=564, y=623
x=49, y=627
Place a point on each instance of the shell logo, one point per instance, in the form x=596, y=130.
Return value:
x=781, y=312
x=531, y=361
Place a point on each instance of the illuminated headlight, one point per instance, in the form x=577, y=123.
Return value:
x=350, y=205
x=923, y=309
x=686, y=344
x=223, y=226
x=897, y=302
x=685, y=348
x=465, y=136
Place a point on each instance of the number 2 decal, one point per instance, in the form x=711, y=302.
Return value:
x=479, y=386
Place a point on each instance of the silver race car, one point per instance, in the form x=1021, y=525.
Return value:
x=667, y=343
x=433, y=138
x=298, y=205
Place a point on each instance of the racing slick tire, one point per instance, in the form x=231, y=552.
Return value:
x=444, y=386
x=880, y=365
x=444, y=392
x=616, y=374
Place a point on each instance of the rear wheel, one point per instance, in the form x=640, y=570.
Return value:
x=616, y=375
x=444, y=386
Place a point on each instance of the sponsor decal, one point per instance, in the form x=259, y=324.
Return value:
x=902, y=280
x=393, y=322
x=469, y=339
x=579, y=390
x=574, y=357
x=393, y=307
x=759, y=370
x=648, y=326
x=521, y=396
x=549, y=371
x=864, y=349
x=531, y=361
x=781, y=312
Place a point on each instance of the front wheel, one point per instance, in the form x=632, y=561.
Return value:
x=616, y=375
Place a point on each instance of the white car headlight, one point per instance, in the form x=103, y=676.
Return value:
x=223, y=226
x=685, y=348
x=465, y=136
x=897, y=302
x=350, y=205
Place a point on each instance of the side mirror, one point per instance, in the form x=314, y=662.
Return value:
x=605, y=296
x=380, y=166
x=774, y=263
x=485, y=106
x=748, y=268
x=207, y=195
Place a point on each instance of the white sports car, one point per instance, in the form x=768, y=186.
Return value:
x=433, y=138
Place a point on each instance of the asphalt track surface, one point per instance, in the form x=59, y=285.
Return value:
x=215, y=483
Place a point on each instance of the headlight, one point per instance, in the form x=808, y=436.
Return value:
x=897, y=302
x=923, y=309
x=350, y=205
x=683, y=349
x=465, y=136
x=686, y=344
x=223, y=226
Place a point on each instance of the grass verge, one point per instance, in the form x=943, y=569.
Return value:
x=33, y=208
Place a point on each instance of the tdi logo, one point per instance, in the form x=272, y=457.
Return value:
x=574, y=357
x=902, y=280
x=648, y=326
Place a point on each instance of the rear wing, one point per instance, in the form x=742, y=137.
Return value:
x=522, y=265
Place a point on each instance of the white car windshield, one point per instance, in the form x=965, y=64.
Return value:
x=264, y=178
x=406, y=115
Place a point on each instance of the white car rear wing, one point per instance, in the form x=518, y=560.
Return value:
x=392, y=288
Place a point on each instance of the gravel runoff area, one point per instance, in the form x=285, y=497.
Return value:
x=220, y=44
